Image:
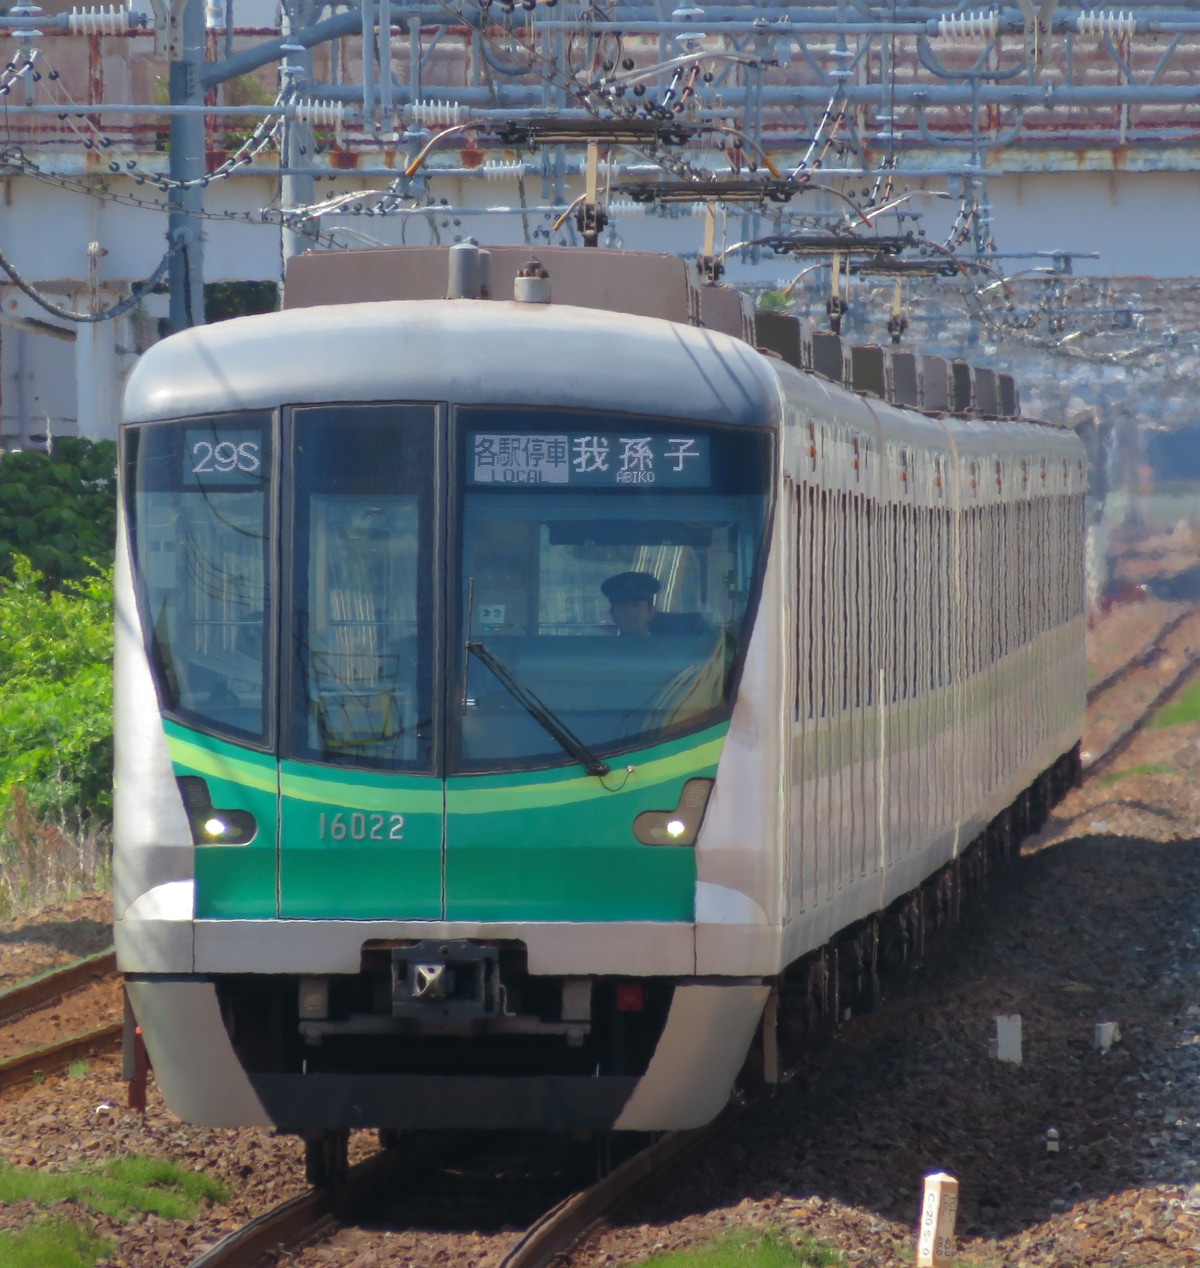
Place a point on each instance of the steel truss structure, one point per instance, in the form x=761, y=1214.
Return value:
x=737, y=104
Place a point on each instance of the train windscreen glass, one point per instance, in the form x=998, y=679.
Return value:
x=609, y=569
x=199, y=508
x=361, y=535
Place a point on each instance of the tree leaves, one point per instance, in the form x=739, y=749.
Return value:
x=56, y=693
x=59, y=509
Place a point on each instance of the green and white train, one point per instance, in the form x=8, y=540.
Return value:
x=415, y=828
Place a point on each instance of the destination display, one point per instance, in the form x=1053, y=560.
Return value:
x=589, y=460
x=233, y=456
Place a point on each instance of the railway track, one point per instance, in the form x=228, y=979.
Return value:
x=318, y=1213
x=41, y=992
x=1122, y=701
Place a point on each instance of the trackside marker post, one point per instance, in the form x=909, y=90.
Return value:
x=1107, y=1034
x=939, y=1209
x=1008, y=1037
x=141, y=1068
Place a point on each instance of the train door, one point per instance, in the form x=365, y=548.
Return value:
x=361, y=794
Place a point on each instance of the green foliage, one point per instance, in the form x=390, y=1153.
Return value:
x=52, y=1244
x=772, y=302
x=1180, y=711
x=59, y=509
x=746, y=1248
x=246, y=90
x=56, y=695
x=223, y=300
x=1153, y=768
x=119, y=1188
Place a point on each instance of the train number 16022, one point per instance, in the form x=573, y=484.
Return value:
x=361, y=825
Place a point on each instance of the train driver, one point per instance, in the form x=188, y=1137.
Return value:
x=630, y=597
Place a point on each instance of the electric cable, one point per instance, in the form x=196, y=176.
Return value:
x=138, y=290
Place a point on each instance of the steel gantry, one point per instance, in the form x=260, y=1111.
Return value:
x=849, y=90
x=190, y=126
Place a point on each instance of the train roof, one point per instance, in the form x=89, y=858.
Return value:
x=468, y=351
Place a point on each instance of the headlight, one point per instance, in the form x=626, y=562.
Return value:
x=211, y=826
x=678, y=826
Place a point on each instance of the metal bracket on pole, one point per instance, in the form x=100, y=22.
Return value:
x=168, y=28
x=898, y=320
x=709, y=266
x=835, y=305
x=591, y=218
x=1039, y=22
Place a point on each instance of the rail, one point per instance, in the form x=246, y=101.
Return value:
x=307, y=1215
x=57, y=1056
x=564, y=1224
x=1155, y=649
x=1145, y=654
x=47, y=986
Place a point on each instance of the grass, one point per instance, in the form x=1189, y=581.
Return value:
x=43, y=861
x=744, y=1248
x=52, y=1244
x=78, y=1068
x=1183, y=709
x=119, y=1188
x=1152, y=768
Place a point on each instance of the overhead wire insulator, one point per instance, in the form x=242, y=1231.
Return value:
x=320, y=114
x=437, y=114
x=969, y=26
x=1116, y=24
x=498, y=171
x=104, y=21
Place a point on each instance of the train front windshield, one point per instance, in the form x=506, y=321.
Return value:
x=608, y=569
x=589, y=580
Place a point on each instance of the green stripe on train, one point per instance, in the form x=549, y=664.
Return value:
x=530, y=845
x=233, y=881
x=559, y=845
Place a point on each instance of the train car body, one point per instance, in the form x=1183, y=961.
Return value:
x=412, y=833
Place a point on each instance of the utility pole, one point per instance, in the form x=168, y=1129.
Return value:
x=186, y=51
x=299, y=144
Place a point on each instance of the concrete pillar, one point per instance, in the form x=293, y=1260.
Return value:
x=96, y=393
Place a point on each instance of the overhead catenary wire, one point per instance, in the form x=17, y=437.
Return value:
x=587, y=79
x=14, y=158
x=138, y=290
x=261, y=138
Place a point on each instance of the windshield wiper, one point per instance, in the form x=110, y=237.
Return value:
x=540, y=712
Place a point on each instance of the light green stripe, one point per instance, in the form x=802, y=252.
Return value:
x=222, y=765
x=474, y=797
x=473, y=794
x=570, y=774
x=416, y=799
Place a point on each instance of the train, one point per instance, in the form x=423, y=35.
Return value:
x=536, y=678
